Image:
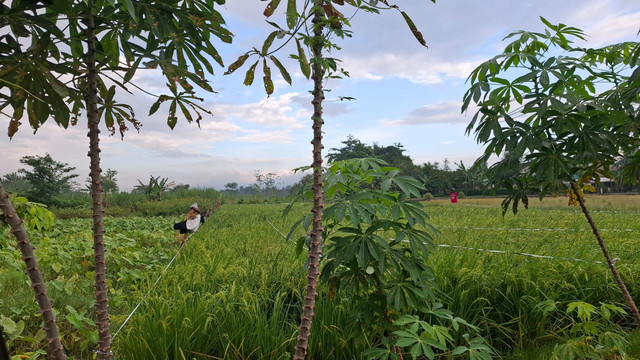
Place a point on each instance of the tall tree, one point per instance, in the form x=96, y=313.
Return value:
x=313, y=26
x=569, y=111
x=355, y=149
x=78, y=54
x=108, y=181
x=15, y=183
x=47, y=177
x=352, y=149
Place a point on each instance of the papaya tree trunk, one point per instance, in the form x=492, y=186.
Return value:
x=315, y=251
x=616, y=275
x=100, y=267
x=54, y=346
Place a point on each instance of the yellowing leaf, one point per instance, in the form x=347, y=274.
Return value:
x=414, y=29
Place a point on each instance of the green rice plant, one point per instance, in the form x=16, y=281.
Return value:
x=234, y=292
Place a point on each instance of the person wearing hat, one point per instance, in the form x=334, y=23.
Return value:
x=191, y=223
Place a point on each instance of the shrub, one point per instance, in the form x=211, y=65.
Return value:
x=428, y=196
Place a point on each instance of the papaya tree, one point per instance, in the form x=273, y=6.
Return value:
x=65, y=59
x=568, y=112
x=311, y=27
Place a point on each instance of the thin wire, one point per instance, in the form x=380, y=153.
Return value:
x=533, y=229
x=520, y=253
x=152, y=287
x=498, y=251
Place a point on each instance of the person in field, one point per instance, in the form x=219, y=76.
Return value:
x=191, y=223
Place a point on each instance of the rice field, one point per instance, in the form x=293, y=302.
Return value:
x=235, y=290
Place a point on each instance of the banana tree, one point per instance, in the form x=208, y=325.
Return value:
x=569, y=112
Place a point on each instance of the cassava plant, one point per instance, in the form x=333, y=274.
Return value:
x=41, y=218
x=311, y=27
x=63, y=58
x=377, y=242
x=568, y=113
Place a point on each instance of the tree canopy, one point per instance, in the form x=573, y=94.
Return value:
x=569, y=112
x=47, y=177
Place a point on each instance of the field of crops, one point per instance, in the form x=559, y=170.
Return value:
x=235, y=291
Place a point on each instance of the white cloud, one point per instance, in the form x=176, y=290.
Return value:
x=444, y=112
x=272, y=112
x=614, y=28
x=271, y=137
x=418, y=68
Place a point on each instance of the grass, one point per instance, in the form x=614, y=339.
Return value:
x=500, y=293
x=235, y=291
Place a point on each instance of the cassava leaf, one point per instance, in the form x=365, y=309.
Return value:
x=237, y=64
x=414, y=29
x=271, y=7
x=268, y=83
x=283, y=71
x=249, y=76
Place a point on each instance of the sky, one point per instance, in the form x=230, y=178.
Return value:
x=405, y=93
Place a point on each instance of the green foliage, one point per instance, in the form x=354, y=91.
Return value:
x=109, y=182
x=587, y=335
x=420, y=338
x=375, y=245
x=131, y=35
x=47, y=177
x=155, y=188
x=139, y=249
x=235, y=287
x=35, y=216
x=15, y=183
x=568, y=111
x=298, y=26
x=392, y=155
